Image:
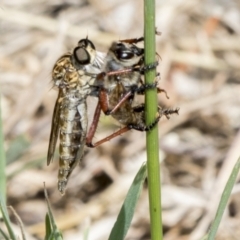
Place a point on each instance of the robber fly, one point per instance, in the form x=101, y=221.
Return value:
x=121, y=81
x=74, y=75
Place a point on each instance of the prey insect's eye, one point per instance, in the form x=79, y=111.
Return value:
x=127, y=51
x=124, y=54
x=81, y=55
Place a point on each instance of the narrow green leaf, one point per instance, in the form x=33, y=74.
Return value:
x=48, y=227
x=125, y=215
x=54, y=233
x=224, y=200
x=6, y=218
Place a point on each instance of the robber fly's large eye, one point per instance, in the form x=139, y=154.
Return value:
x=84, y=43
x=81, y=55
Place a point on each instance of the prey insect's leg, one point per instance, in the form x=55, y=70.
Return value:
x=160, y=90
x=168, y=112
x=143, y=87
x=143, y=127
x=148, y=67
x=133, y=40
x=137, y=40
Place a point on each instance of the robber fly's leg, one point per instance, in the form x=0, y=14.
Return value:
x=108, y=138
x=93, y=126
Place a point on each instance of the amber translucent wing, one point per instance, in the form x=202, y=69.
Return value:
x=54, y=128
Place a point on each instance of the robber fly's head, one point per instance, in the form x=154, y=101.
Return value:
x=84, y=53
x=126, y=54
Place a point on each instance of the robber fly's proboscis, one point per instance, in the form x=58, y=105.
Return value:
x=74, y=75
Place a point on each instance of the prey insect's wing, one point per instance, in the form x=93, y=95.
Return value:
x=54, y=128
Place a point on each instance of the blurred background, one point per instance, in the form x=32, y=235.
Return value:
x=199, y=68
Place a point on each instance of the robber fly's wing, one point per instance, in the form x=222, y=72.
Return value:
x=54, y=128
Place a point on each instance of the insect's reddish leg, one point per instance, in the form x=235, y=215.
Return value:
x=93, y=127
x=133, y=40
x=103, y=105
x=125, y=97
x=136, y=40
x=103, y=101
x=122, y=71
x=119, y=132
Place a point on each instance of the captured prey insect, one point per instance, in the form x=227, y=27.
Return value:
x=121, y=81
x=74, y=74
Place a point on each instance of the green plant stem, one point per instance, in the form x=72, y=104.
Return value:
x=2, y=161
x=152, y=136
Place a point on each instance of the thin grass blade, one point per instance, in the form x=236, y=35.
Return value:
x=6, y=219
x=52, y=232
x=125, y=215
x=48, y=227
x=224, y=200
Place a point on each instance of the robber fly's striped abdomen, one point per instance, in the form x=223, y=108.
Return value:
x=73, y=127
